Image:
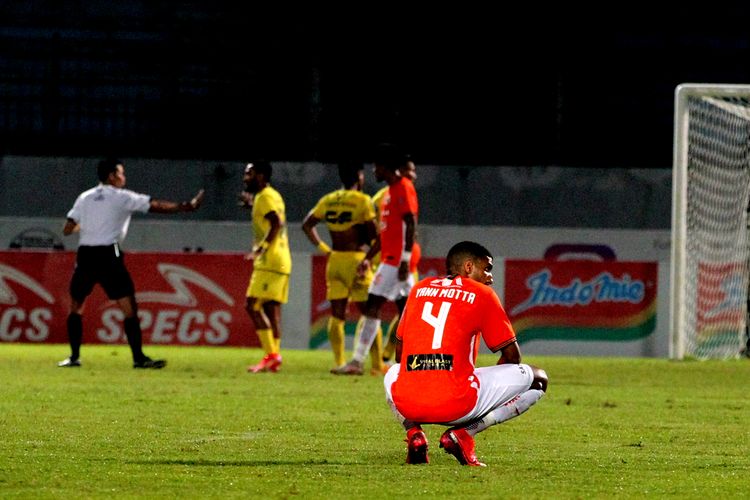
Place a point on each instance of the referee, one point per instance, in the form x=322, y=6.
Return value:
x=101, y=215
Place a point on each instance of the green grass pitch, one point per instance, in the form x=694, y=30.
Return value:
x=204, y=428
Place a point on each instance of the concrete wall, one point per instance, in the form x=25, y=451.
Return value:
x=516, y=212
x=551, y=197
x=147, y=234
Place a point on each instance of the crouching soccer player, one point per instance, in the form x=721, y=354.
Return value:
x=435, y=380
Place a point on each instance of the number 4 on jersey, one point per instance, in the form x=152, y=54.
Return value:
x=436, y=322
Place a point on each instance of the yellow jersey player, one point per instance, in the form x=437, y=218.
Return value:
x=392, y=280
x=348, y=213
x=272, y=263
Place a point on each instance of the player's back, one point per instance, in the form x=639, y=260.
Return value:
x=344, y=211
x=440, y=327
x=344, y=208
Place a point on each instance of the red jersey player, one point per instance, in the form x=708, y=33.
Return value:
x=392, y=280
x=435, y=380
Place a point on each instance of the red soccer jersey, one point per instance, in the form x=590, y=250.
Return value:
x=401, y=199
x=440, y=328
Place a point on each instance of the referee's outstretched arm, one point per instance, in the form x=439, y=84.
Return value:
x=170, y=207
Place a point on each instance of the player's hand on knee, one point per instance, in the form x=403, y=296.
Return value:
x=540, y=379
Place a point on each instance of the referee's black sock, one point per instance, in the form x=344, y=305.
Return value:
x=133, y=332
x=75, y=334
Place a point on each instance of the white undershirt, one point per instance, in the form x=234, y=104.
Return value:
x=104, y=213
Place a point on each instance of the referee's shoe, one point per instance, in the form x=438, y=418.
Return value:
x=69, y=363
x=150, y=363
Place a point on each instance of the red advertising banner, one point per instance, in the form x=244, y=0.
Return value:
x=581, y=299
x=184, y=299
x=720, y=310
x=320, y=308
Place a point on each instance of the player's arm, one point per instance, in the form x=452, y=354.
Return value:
x=308, y=226
x=273, y=218
x=273, y=231
x=410, y=224
x=71, y=227
x=370, y=233
x=372, y=252
x=510, y=354
x=170, y=207
x=406, y=319
x=399, y=347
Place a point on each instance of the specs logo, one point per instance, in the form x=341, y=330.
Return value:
x=19, y=320
x=184, y=323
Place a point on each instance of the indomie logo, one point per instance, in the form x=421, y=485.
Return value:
x=603, y=287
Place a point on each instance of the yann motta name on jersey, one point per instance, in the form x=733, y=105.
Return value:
x=444, y=288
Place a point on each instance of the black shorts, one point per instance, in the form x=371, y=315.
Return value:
x=104, y=265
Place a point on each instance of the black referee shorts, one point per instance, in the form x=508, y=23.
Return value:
x=104, y=265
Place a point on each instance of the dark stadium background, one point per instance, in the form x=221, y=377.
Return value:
x=477, y=85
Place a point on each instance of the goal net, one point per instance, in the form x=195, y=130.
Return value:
x=711, y=190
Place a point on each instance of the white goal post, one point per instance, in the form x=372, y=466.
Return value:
x=711, y=190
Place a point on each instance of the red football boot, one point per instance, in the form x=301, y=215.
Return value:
x=460, y=444
x=416, y=446
x=275, y=363
x=270, y=362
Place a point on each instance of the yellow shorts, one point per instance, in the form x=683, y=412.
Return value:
x=268, y=285
x=341, y=277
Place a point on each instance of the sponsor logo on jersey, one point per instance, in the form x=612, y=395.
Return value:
x=419, y=362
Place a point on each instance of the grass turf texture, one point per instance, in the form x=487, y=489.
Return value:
x=202, y=427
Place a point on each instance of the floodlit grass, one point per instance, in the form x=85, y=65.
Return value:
x=202, y=428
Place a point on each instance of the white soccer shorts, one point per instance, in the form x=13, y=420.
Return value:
x=385, y=283
x=497, y=385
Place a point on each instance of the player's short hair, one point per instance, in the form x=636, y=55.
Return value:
x=390, y=156
x=262, y=167
x=461, y=251
x=349, y=172
x=106, y=167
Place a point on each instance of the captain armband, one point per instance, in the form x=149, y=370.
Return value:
x=323, y=247
x=406, y=256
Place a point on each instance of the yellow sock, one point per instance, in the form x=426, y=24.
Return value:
x=390, y=344
x=336, y=339
x=277, y=344
x=267, y=342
